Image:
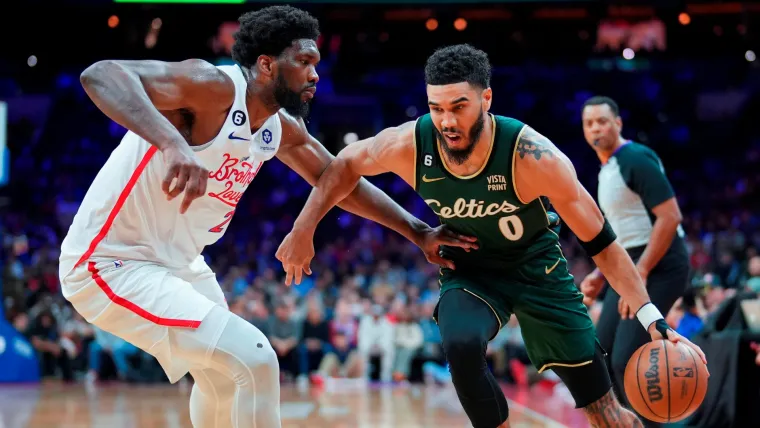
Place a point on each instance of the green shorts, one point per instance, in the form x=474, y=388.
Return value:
x=555, y=324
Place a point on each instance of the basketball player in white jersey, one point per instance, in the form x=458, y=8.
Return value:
x=198, y=135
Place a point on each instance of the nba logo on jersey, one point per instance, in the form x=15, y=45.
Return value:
x=266, y=136
x=118, y=263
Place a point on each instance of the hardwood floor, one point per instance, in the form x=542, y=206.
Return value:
x=52, y=404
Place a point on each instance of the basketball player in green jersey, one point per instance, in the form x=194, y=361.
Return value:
x=492, y=177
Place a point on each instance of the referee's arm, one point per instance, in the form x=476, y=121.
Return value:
x=648, y=180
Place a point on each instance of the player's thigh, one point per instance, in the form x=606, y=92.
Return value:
x=203, y=280
x=588, y=382
x=555, y=324
x=469, y=303
x=143, y=303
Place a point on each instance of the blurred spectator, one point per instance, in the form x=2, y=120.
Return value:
x=285, y=335
x=408, y=340
x=753, y=283
x=45, y=338
x=376, y=336
x=315, y=342
x=117, y=348
x=687, y=315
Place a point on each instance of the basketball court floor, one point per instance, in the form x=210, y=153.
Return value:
x=53, y=405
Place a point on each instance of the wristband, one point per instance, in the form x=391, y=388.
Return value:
x=648, y=314
x=662, y=326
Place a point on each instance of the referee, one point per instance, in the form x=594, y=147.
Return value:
x=638, y=200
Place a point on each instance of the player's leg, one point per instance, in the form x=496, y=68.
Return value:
x=467, y=323
x=213, y=392
x=665, y=285
x=559, y=335
x=606, y=331
x=150, y=307
x=591, y=388
x=211, y=399
x=235, y=349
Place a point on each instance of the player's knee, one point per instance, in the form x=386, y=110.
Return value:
x=463, y=350
x=247, y=353
x=260, y=360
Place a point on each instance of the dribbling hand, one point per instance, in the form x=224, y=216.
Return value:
x=661, y=330
x=191, y=177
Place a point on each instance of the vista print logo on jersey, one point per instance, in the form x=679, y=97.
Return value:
x=233, y=171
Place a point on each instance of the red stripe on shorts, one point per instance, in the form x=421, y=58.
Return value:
x=168, y=322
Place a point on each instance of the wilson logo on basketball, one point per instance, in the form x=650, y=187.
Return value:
x=683, y=372
x=654, y=390
x=233, y=171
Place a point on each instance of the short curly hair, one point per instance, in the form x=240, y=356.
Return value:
x=271, y=30
x=458, y=63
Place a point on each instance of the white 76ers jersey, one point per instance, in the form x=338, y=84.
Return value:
x=125, y=214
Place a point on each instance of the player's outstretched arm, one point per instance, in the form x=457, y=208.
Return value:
x=133, y=94
x=541, y=169
x=338, y=181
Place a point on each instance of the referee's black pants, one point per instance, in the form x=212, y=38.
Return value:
x=621, y=338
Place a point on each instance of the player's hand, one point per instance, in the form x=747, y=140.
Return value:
x=191, y=176
x=432, y=238
x=661, y=330
x=625, y=310
x=591, y=286
x=295, y=253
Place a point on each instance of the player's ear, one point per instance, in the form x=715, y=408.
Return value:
x=266, y=65
x=487, y=98
x=619, y=123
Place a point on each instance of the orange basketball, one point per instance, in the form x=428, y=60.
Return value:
x=665, y=382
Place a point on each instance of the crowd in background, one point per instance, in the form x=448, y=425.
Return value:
x=366, y=311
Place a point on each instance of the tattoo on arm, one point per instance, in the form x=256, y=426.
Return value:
x=534, y=144
x=608, y=413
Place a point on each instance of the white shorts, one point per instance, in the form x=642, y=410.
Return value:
x=144, y=303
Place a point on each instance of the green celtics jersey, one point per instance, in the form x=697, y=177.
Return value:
x=484, y=204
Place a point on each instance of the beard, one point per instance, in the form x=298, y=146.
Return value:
x=290, y=100
x=460, y=156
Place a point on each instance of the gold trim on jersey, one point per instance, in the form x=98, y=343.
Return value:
x=548, y=225
x=514, y=157
x=485, y=162
x=414, y=143
x=546, y=366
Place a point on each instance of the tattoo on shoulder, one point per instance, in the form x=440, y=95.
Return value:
x=533, y=144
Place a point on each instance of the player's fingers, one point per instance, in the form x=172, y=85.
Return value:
x=182, y=177
x=170, y=174
x=461, y=240
x=308, y=269
x=299, y=274
x=453, y=241
x=440, y=261
x=192, y=190
x=288, y=274
x=691, y=345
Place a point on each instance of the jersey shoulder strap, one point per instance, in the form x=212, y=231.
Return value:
x=424, y=148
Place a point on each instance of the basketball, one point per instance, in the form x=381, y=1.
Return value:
x=665, y=382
